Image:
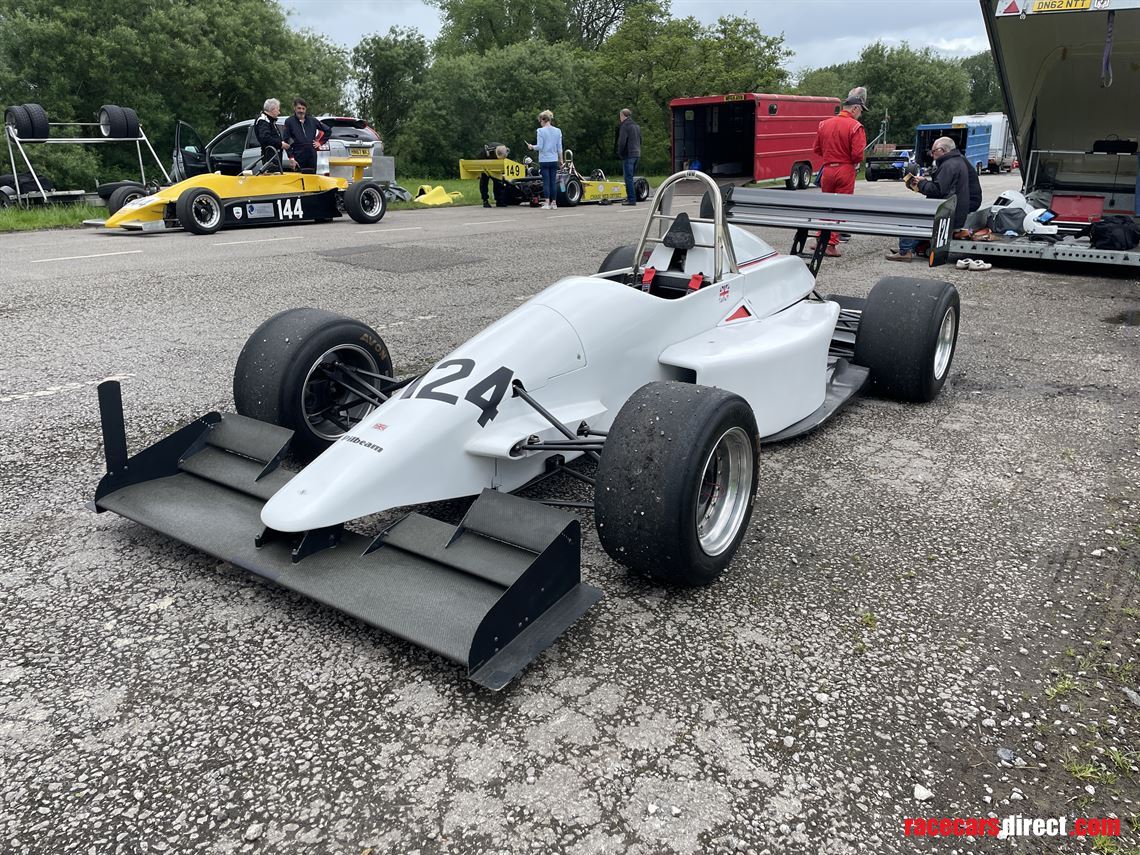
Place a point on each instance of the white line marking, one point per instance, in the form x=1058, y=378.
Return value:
x=403, y=229
x=57, y=390
x=557, y=216
x=259, y=240
x=490, y=222
x=76, y=257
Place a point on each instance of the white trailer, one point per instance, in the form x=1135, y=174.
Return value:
x=1001, y=140
x=1069, y=72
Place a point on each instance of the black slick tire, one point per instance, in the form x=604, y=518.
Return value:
x=122, y=195
x=640, y=189
x=658, y=482
x=199, y=210
x=365, y=202
x=572, y=195
x=130, y=123
x=907, y=337
x=870, y=174
x=105, y=190
x=618, y=258
x=39, y=119
x=112, y=121
x=17, y=117
x=278, y=377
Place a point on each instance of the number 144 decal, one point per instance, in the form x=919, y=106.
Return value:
x=487, y=394
x=290, y=209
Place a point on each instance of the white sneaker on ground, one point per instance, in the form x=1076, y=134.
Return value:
x=963, y=264
x=978, y=264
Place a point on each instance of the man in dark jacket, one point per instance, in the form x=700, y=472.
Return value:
x=952, y=176
x=629, y=150
x=269, y=135
x=302, y=136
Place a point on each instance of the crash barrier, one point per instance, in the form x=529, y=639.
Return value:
x=28, y=123
x=491, y=593
x=924, y=219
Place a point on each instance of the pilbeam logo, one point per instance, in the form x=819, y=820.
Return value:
x=355, y=440
x=1011, y=826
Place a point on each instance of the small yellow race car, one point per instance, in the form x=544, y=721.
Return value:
x=520, y=183
x=596, y=188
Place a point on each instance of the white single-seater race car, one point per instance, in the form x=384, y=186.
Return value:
x=669, y=367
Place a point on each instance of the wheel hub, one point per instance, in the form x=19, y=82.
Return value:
x=725, y=490
x=330, y=404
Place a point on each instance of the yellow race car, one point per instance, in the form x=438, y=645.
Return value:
x=220, y=189
x=205, y=203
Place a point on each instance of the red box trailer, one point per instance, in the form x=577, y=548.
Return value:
x=749, y=135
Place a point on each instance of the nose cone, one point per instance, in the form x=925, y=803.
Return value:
x=406, y=452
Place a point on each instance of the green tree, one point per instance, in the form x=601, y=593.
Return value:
x=652, y=58
x=832, y=81
x=471, y=99
x=389, y=73
x=985, y=91
x=482, y=25
x=479, y=26
x=209, y=62
x=912, y=87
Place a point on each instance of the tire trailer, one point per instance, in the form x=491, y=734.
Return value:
x=116, y=125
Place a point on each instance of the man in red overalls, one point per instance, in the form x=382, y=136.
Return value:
x=840, y=142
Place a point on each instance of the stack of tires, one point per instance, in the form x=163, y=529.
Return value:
x=30, y=121
x=118, y=122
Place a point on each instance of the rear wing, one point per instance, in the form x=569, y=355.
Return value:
x=924, y=219
x=495, y=167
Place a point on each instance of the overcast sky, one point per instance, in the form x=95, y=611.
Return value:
x=821, y=32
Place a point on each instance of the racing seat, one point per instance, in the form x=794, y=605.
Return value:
x=677, y=268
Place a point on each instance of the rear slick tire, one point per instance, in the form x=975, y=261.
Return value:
x=907, y=337
x=677, y=481
x=120, y=196
x=619, y=258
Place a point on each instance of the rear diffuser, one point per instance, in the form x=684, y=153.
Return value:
x=491, y=593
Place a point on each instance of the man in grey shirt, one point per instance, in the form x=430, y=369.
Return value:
x=629, y=150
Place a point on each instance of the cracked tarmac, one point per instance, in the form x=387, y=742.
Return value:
x=920, y=588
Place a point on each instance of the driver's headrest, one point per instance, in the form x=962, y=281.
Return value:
x=680, y=234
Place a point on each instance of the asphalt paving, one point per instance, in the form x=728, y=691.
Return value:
x=934, y=613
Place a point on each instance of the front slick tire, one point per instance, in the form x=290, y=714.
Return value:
x=365, y=202
x=287, y=374
x=908, y=334
x=677, y=481
x=199, y=210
